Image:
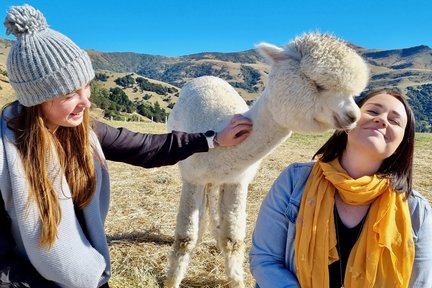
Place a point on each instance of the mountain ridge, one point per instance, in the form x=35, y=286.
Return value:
x=407, y=69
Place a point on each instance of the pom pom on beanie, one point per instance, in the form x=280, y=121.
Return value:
x=24, y=19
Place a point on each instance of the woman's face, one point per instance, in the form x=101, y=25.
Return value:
x=380, y=129
x=66, y=110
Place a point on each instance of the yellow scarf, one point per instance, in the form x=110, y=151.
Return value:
x=383, y=256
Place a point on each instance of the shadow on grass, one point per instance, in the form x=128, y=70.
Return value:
x=141, y=237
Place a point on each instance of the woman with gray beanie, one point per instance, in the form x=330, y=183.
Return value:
x=53, y=176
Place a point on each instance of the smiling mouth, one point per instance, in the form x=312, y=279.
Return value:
x=378, y=131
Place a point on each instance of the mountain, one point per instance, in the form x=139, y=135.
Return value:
x=177, y=70
x=389, y=68
x=408, y=69
x=400, y=67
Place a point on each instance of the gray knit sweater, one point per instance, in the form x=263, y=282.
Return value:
x=74, y=260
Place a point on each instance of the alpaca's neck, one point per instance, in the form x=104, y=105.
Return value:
x=266, y=134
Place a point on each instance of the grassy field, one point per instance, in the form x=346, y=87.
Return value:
x=141, y=221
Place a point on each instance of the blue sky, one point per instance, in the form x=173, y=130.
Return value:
x=173, y=28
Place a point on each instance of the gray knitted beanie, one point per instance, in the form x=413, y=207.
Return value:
x=43, y=63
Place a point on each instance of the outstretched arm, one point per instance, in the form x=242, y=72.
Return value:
x=154, y=150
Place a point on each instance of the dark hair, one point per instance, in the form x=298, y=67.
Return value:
x=397, y=167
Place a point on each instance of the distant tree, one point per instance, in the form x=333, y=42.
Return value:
x=423, y=126
x=100, y=96
x=420, y=99
x=251, y=76
x=125, y=82
x=118, y=96
x=101, y=77
x=146, y=85
x=144, y=109
x=151, y=111
x=159, y=113
x=172, y=90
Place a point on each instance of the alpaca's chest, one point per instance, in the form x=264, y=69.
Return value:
x=219, y=168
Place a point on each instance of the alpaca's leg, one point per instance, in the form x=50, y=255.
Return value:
x=191, y=211
x=233, y=230
x=213, y=200
x=207, y=210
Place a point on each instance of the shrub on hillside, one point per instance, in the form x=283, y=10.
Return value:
x=251, y=76
x=146, y=85
x=126, y=81
x=116, y=103
x=101, y=77
x=150, y=111
x=420, y=99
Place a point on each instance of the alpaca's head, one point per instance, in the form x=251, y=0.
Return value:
x=312, y=83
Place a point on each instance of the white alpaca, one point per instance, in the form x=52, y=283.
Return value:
x=310, y=88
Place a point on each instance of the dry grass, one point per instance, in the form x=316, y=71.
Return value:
x=144, y=202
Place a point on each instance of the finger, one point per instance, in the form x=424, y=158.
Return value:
x=240, y=134
x=241, y=138
x=245, y=127
x=238, y=118
x=242, y=122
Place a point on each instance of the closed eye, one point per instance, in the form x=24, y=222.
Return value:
x=69, y=96
x=320, y=88
x=372, y=112
x=395, y=121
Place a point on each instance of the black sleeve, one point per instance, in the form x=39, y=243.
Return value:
x=6, y=241
x=147, y=150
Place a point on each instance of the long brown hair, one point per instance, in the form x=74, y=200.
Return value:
x=71, y=147
x=397, y=167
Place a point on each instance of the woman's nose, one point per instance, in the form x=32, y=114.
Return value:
x=85, y=100
x=381, y=121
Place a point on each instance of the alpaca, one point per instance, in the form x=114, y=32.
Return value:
x=310, y=88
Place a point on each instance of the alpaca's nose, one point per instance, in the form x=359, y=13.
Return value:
x=352, y=116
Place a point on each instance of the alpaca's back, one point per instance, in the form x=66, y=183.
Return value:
x=205, y=103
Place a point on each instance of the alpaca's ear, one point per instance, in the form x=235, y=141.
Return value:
x=270, y=52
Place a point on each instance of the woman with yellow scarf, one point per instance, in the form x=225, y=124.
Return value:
x=350, y=219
